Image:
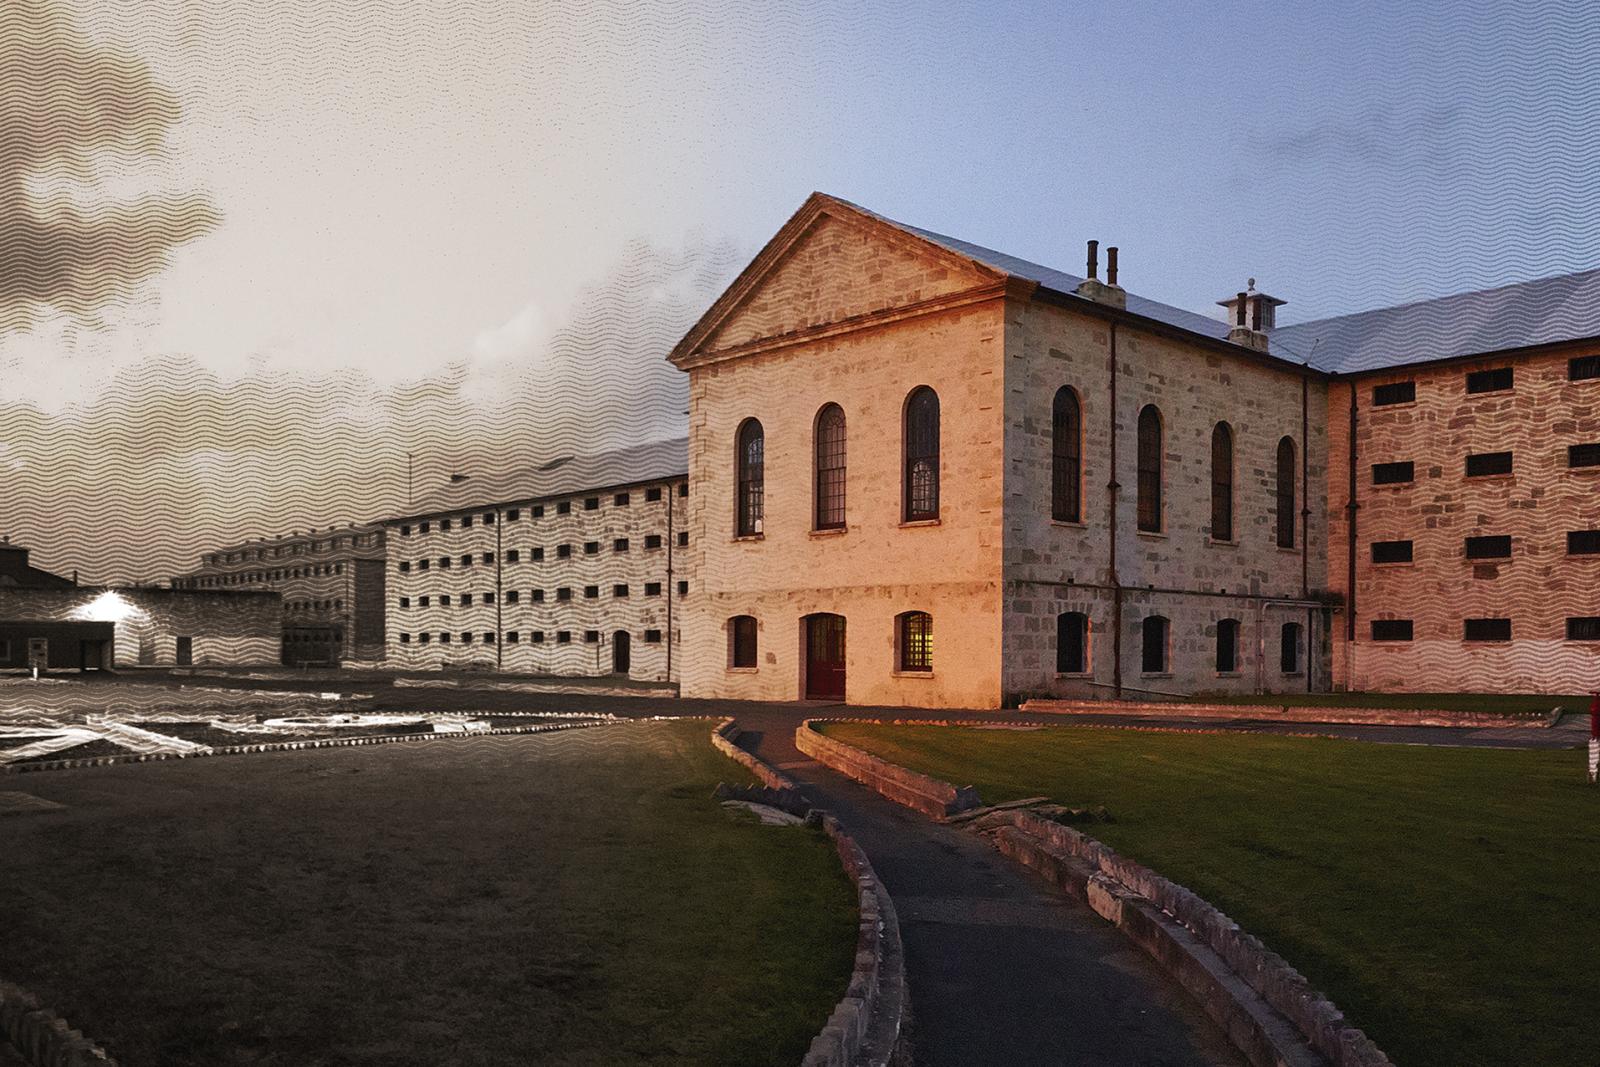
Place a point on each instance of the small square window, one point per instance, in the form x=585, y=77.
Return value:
x=652, y=540
x=1489, y=381
x=488, y=557
x=1391, y=629
x=620, y=545
x=683, y=488
x=683, y=588
x=1484, y=464
x=537, y=511
x=620, y=500
x=444, y=563
x=1391, y=551
x=405, y=639
x=466, y=559
x=1583, y=455
x=513, y=637
x=1583, y=367
x=591, y=592
x=1496, y=547
x=538, y=596
x=1394, y=393
x=444, y=524
x=591, y=637
x=422, y=527
x=488, y=598
x=537, y=637
x=652, y=588
x=1392, y=473
x=652, y=637
x=445, y=599
x=1583, y=628
x=466, y=521
x=619, y=590
x=444, y=638
x=422, y=601
x=514, y=515
x=1583, y=543
x=513, y=555
x=488, y=637
x=563, y=593
x=488, y=518
x=591, y=503
x=564, y=507
x=405, y=531
x=512, y=596
x=424, y=638
x=1486, y=630
x=563, y=551
x=683, y=538
x=422, y=564
x=653, y=494
x=466, y=637
x=538, y=555
x=405, y=602
x=591, y=548
x=563, y=636
x=405, y=566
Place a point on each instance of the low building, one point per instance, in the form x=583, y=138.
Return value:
x=567, y=568
x=331, y=581
x=53, y=622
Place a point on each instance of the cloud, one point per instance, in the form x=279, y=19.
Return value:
x=1381, y=135
x=80, y=124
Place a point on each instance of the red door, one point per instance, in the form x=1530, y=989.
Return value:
x=824, y=657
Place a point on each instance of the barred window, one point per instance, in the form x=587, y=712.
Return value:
x=1583, y=628
x=742, y=641
x=830, y=468
x=1489, y=381
x=1486, y=629
x=1286, y=482
x=921, y=460
x=1583, y=367
x=916, y=641
x=1072, y=643
x=1066, y=457
x=1153, y=654
x=1495, y=547
x=1150, y=449
x=1227, y=646
x=1482, y=464
x=1394, y=393
x=1393, y=473
x=1289, y=648
x=1583, y=455
x=1391, y=551
x=1391, y=629
x=1583, y=542
x=750, y=459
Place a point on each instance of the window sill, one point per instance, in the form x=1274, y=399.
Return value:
x=743, y=537
x=1070, y=524
x=742, y=670
x=1474, y=478
x=1155, y=674
x=1395, y=564
x=832, y=531
x=909, y=523
x=1294, y=549
x=1153, y=535
x=1232, y=542
x=1074, y=675
x=1487, y=561
x=911, y=674
x=1229, y=674
x=1293, y=674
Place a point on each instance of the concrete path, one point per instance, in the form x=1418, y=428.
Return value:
x=1003, y=969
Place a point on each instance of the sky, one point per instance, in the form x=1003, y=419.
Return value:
x=253, y=253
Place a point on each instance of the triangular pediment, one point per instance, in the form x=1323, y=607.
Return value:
x=832, y=264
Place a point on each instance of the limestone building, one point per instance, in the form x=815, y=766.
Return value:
x=331, y=581
x=926, y=473
x=567, y=568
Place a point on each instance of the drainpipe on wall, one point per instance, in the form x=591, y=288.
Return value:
x=1112, y=489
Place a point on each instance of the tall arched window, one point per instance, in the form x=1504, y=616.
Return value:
x=915, y=641
x=1066, y=457
x=1286, y=493
x=1227, y=646
x=830, y=468
x=921, y=488
x=1072, y=643
x=1153, y=655
x=1222, y=482
x=750, y=459
x=1150, y=448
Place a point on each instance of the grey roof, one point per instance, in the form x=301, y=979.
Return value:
x=1547, y=310
x=1544, y=311
x=559, y=476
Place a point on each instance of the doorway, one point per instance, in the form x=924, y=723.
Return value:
x=824, y=638
x=621, y=652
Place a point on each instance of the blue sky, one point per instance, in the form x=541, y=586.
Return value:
x=515, y=206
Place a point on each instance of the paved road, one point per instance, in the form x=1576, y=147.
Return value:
x=1003, y=969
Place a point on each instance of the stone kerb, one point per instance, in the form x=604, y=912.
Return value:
x=1269, y=1010
x=1286, y=712
x=43, y=1038
x=927, y=795
x=865, y=1026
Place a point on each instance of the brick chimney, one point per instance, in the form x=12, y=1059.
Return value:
x=1108, y=291
x=1251, y=315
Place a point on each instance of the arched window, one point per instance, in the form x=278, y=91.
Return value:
x=742, y=641
x=750, y=459
x=1227, y=646
x=1286, y=493
x=1222, y=483
x=830, y=468
x=915, y=641
x=1150, y=448
x=921, y=489
x=1289, y=647
x=1066, y=457
x=1072, y=643
x=1153, y=655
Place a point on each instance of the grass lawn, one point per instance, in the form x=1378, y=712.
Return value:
x=1532, y=704
x=1444, y=898
x=573, y=898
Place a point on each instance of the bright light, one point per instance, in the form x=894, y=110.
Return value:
x=109, y=606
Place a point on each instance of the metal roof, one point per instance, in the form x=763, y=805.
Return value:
x=559, y=476
x=1543, y=311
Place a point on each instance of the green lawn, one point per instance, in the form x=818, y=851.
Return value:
x=570, y=898
x=1533, y=704
x=1446, y=899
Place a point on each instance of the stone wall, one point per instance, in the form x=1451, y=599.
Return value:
x=515, y=614
x=1182, y=572
x=878, y=566
x=1537, y=587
